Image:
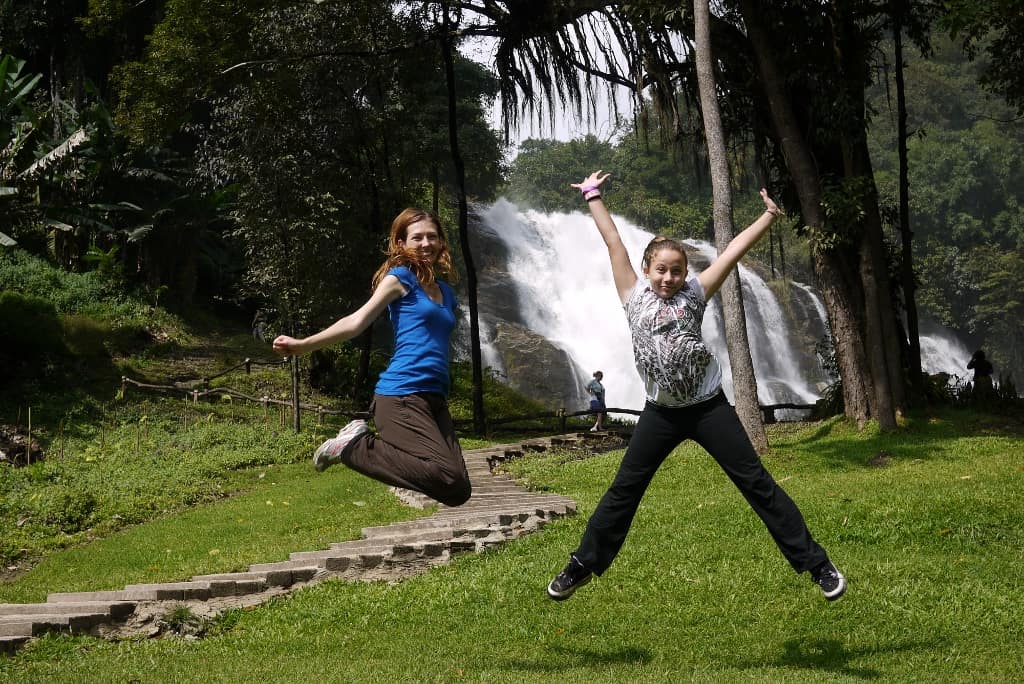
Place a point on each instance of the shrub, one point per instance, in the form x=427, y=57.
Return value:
x=69, y=509
x=31, y=335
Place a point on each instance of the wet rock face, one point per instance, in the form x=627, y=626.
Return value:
x=525, y=361
x=537, y=368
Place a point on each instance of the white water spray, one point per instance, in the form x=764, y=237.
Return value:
x=559, y=266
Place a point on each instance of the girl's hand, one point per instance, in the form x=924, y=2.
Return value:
x=769, y=205
x=594, y=180
x=285, y=346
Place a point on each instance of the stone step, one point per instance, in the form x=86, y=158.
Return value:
x=501, y=515
x=288, y=565
x=87, y=596
x=9, y=645
x=20, y=628
x=499, y=510
x=279, y=578
x=34, y=625
x=173, y=591
x=117, y=610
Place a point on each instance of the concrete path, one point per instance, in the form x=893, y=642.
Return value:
x=498, y=511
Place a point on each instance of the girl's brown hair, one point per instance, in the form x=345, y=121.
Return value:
x=659, y=243
x=425, y=272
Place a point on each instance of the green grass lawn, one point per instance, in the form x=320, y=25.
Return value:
x=931, y=544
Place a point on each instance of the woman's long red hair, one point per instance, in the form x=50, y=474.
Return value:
x=425, y=271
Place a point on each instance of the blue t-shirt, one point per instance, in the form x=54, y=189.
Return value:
x=422, y=329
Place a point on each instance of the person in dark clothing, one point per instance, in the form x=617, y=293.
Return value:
x=982, y=374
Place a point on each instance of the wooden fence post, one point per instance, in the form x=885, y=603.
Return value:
x=296, y=408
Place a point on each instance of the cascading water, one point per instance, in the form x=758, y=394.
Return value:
x=558, y=266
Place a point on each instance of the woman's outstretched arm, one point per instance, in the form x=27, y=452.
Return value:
x=389, y=289
x=622, y=270
x=712, y=277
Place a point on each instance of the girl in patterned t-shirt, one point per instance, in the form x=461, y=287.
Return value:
x=682, y=380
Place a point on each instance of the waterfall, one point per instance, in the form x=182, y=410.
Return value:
x=943, y=352
x=560, y=282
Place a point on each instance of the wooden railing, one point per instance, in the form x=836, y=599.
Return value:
x=200, y=388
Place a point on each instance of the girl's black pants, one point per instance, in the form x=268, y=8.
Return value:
x=715, y=426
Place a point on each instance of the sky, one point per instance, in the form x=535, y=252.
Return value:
x=566, y=125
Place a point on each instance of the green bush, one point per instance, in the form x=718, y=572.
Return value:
x=30, y=275
x=69, y=509
x=30, y=325
x=31, y=336
x=86, y=336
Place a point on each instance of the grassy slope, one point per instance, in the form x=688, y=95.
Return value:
x=149, y=489
x=931, y=545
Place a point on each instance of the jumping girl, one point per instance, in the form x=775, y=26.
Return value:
x=682, y=380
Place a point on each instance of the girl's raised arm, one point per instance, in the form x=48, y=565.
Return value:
x=712, y=277
x=622, y=270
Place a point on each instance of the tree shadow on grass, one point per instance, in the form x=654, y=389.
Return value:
x=561, y=658
x=829, y=655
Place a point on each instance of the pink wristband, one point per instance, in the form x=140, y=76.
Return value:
x=587, y=188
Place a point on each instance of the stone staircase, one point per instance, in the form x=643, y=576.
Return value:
x=499, y=510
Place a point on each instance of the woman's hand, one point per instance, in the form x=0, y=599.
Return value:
x=286, y=346
x=594, y=180
x=769, y=205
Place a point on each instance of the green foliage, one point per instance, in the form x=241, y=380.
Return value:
x=543, y=169
x=648, y=186
x=31, y=336
x=499, y=399
x=965, y=197
x=61, y=327
x=65, y=509
x=326, y=150
x=993, y=27
x=844, y=204
x=181, y=619
x=29, y=324
x=68, y=292
x=191, y=44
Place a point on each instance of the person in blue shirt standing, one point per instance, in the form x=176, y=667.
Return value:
x=415, y=446
x=596, y=390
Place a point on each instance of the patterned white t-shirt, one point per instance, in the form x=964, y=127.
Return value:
x=676, y=366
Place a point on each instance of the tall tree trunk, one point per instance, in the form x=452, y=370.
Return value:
x=906, y=234
x=882, y=302
x=744, y=382
x=838, y=287
x=479, y=418
x=880, y=331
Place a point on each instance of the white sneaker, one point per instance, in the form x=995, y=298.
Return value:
x=330, y=451
x=593, y=429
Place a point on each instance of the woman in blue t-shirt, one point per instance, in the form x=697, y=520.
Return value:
x=415, y=446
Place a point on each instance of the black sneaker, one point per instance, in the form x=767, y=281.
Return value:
x=569, y=580
x=831, y=581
